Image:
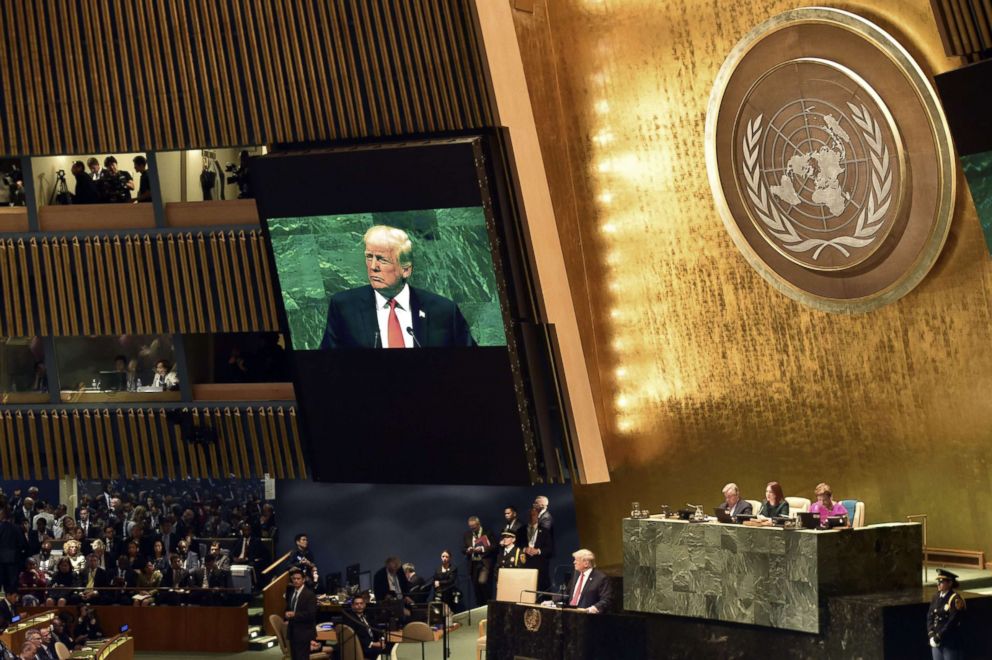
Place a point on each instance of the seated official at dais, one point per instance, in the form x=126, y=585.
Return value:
x=824, y=506
x=775, y=505
x=732, y=502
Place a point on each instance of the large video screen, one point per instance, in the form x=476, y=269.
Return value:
x=339, y=275
x=378, y=248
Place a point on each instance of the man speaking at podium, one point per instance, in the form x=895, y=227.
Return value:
x=589, y=589
x=389, y=313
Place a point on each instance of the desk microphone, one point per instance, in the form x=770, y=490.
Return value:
x=409, y=331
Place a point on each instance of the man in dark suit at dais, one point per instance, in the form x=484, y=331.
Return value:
x=389, y=313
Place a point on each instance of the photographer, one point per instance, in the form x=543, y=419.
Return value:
x=86, y=192
x=145, y=186
x=115, y=185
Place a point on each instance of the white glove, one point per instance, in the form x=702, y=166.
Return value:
x=933, y=642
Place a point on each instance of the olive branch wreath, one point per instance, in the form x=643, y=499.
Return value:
x=870, y=219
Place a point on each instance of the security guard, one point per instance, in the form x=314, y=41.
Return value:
x=944, y=619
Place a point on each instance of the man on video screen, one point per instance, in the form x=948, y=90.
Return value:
x=389, y=313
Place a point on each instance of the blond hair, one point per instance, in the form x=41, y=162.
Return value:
x=397, y=239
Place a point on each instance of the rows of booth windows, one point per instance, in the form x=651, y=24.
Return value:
x=179, y=176
x=135, y=367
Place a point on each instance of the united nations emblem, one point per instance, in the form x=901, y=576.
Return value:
x=830, y=160
x=532, y=619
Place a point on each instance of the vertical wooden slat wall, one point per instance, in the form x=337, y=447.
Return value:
x=145, y=442
x=135, y=283
x=965, y=26
x=176, y=74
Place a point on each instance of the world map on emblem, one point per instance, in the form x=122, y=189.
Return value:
x=818, y=165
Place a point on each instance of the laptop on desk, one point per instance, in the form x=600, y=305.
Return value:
x=808, y=520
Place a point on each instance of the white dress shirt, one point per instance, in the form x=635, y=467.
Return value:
x=403, y=313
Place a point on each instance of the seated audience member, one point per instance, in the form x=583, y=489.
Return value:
x=124, y=578
x=31, y=583
x=371, y=640
x=589, y=589
x=28, y=651
x=61, y=591
x=824, y=504
x=71, y=550
x=159, y=556
x=59, y=631
x=390, y=582
x=249, y=550
x=98, y=548
x=177, y=579
x=774, y=505
x=148, y=580
x=41, y=531
x=93, y=578
x=87, y=628
x=418, y=589
x=446, y=582
x=30, y=542
x=113, y=547
x=191, y=561
x=732, y=502
x=223, y=558
x=211, y=577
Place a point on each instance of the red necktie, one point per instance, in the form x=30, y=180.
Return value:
x=578, y=591
x=393, y=327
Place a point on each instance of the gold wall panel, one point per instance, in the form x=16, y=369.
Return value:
x=705, y=373
x=147, y=283
x=140, y=442
x=92, y=77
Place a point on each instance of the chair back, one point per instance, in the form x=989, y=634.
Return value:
x=418, y=631
x=62, y=650
x=755, y=506
x=855, y=512
x=279, y=628
x=797, y=505
x=351, y=648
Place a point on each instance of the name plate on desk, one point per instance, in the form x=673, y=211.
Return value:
x=762, y=576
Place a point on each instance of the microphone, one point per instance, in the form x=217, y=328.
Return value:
x=409, y=331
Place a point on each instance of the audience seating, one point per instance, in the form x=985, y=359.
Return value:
x=418, y=631
x=855, y=512
x=349, y=646
x=62, y=651
x=755, y=506
x=480, y=645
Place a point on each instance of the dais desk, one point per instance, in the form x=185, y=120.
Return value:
x=766, y=576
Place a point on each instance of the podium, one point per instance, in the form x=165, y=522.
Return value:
x=517, y=631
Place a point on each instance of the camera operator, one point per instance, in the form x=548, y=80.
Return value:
x=115, y=185
x=86, y=192
x=94, y=167
x=14, y=180
x=145, y=185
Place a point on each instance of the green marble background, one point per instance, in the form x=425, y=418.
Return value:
x=978, y=171
x=320, y=255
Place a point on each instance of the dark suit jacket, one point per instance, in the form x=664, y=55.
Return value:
x=596, y=591
x=100, y=579
x=365, y=634
x=11, y=544
x=352, y=321
x=380, y=584
x=7, y=610
x=743, y=507
x=543, y=542
x=302, y=625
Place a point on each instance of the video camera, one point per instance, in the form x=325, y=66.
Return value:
x=113, y=187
